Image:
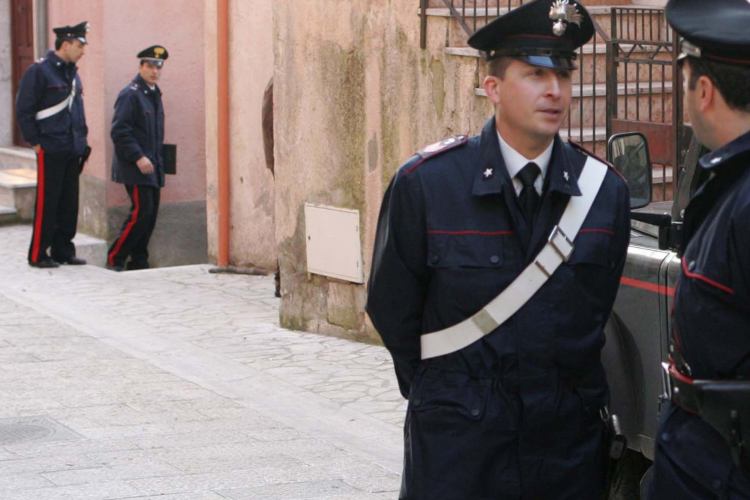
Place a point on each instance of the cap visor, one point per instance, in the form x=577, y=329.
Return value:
x=550, y=62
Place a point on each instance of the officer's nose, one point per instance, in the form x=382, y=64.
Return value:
x=554, y=86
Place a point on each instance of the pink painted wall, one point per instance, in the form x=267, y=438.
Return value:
x=119, y=30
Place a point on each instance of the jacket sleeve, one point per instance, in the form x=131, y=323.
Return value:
x=123, y=125
x=398, y=279
x=29, y=95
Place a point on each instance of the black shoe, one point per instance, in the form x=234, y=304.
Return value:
x=44, y=264
x=118, y=268
x=72, y=261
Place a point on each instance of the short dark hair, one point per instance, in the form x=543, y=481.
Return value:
x=496, y=67
x=733, y=82
x=59, y=42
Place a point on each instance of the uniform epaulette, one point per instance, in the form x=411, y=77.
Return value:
x=40, y=60
x=442, y=146
x=134, y=86
x=586, y=152
x=433, y=150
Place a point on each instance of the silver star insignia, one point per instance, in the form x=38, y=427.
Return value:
x=565, y=175
x=488, y=173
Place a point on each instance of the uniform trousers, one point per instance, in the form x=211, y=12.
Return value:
x=55, y=207
x=136, y=230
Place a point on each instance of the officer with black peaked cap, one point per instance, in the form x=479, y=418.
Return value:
x=50, y=114
x=505, y=389
x=138, y=162
x=703, y=443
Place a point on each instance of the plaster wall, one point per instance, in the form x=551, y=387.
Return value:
x=119, y=30
x=6, y=92
x=355, y=97
x=251, y=183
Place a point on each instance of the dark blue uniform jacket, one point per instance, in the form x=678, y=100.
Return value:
x=46, y=83
x=514, y=415
x=138, y=130
x=711, y=327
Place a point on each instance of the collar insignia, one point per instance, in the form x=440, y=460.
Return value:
x=562, y=13
x=488, y=173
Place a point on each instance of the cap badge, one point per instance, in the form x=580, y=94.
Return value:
x=562, y=13
x=159, y=52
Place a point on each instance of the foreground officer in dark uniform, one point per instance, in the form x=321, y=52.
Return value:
x=514, y=414
x=702, y=445
x=138, y=135
x=49, y=110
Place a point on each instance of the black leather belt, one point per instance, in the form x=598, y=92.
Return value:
x=723, y=404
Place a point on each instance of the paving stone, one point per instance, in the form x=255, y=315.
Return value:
x=182, y=386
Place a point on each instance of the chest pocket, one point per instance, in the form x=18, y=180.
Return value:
x=467, y=270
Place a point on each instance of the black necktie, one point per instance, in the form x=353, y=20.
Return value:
x=529, y=198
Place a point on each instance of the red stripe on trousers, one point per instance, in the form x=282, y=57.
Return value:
x=128, y=228
x=39, y=213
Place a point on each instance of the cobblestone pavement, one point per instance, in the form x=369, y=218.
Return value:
x=179, y=384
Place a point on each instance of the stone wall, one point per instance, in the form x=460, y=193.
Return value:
x=355, y=97
x=6, y=93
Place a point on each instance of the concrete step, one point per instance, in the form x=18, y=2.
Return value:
x=645, y=22
x=641, y=102
x=17, y=157
x=8, y=215
x=592, y=63
x=17, y=188
x=94, y=250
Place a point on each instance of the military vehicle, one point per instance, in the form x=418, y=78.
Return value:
x=638, y=332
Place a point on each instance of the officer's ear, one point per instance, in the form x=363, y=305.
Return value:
x=491, y=86
x=706, y=93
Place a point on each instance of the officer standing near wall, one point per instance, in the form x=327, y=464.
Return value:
x=49, y=111
x=495, y=331
x=138, y=136
x=702, y=444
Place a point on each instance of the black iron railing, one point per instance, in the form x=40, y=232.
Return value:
x=641, y=60
x=626, y=78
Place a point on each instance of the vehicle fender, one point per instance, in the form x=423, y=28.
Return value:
x=623, y=366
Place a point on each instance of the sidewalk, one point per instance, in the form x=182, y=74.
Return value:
x=179, y=384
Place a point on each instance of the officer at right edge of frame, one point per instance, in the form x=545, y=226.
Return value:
x=702, y=443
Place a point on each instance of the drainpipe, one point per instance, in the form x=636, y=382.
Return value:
x=223, y=131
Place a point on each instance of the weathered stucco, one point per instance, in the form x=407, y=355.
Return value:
x=109, y=65
x=355, y=97
x=251, y=183
x=6, y=93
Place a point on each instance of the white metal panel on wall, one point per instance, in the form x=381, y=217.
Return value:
x=333, y=243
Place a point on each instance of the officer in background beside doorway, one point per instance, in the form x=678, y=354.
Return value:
x=496, y=264
x=704, y=434
x=138, y=136
x=49, y=111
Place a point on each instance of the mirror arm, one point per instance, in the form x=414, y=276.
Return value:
x=658, y=219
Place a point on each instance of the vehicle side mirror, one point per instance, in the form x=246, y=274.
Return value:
x=628, y=153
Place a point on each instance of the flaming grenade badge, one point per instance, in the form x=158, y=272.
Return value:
x=562, y=13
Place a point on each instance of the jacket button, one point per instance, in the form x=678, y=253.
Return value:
x=417, y=402
x=475, y=412
x=435, y=259
x=716, y=484
x=495, y=259
x=691, y=265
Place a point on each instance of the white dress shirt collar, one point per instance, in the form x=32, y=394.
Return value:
x=515, y=161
